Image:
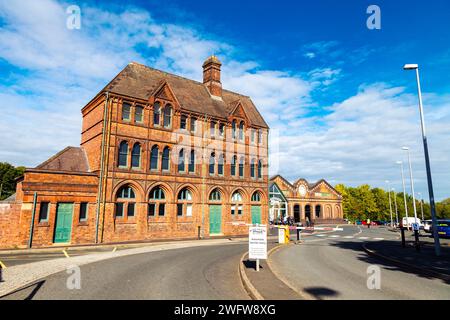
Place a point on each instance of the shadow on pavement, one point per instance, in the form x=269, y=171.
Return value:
x=417, y=263
x=320, y=292
x=24, y=293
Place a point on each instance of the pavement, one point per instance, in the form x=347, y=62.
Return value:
x=335, y=267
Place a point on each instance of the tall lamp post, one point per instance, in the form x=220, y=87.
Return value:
x=390, y=202
x=437, y=246
x=395, y=205
x=404, y=192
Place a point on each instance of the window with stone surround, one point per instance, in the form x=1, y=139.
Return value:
x=126, y=111
x=154, y=154
x=236, y=203
x=136, y=156
x=123, y=154
x=125, y=202
x=44, y=211
x=165, y=165
x=157, y=114
x=184, y=203
x=139, y=114
x=83, y=212
x=157, y=202
x=167, y=116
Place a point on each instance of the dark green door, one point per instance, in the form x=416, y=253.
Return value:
x=215, y=219
x=256, y=215
x=63, y=228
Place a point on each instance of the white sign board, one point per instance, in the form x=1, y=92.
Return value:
x=257, y=243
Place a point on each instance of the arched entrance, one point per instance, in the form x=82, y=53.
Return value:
x=297, y=213
x=308, y=212
x=318, y=211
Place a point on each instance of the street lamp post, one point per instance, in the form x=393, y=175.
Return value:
x=404, y=192
x=437, y=246
x=421, y=205
x=390, y=203
x=395, y=205
x=416, y=225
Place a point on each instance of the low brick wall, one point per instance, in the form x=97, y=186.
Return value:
x=9, y=225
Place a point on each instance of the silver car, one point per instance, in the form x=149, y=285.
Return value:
x=427, y=226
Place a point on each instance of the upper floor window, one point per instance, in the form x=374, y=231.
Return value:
x=233, y=165
x=156, y=113
x=193, y=124
x=123, y=154
x=241, y=131
x=252, y=136
x=241, y=167
x=192, y=162
x=256, y=197
x=220, y=165
x=139, y=114
x=233, y=129
x=221, y=129
x=212, y=129
x=167, y=116
x=126, y=111
x=260, y=167
x=212, y=163
x=136, y=156
x=253, y=168
x=260, y=136
x=166, y=159
x=183, y=122
x=181, y=161
x=154, y=158
x=83, y=216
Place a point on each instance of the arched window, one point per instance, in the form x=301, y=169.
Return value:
x=123, y=154
x=236, y=203
x=241, y=131
x=157, y=113
x=318, y=210
x=260, y=136
x=221, y=129
x=256, y=197
x=184, y=205
x=136, y=156
x=252, y=136
x=167, y=116
x=220, y=165
x=260, y=167
x=125, y=202
x=154, y=158
x=157, y=202
x=166, y=159
x=181, y=161
x=212, y=129
x=212, y=163
x=233, y=166
x=192, y=162
x=233, y=129
x=215, y=195
x=241, y=167
x=253, y=168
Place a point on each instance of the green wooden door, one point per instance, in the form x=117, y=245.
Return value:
x=63, y=225
x=215, y=219
x=256, y=215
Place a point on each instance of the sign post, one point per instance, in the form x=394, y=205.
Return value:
x=257, y=243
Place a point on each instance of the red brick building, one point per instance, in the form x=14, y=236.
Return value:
x=161, y=157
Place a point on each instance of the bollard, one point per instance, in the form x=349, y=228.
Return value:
x=298, y=235
x=198, y=232
x=417, y=242
x=1, y=273
x=403, y=236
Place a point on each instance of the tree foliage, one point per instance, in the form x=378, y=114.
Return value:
x=8, y=175
x=364, y=202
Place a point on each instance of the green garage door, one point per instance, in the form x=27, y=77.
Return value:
x=215, y=219
x=63, y=228
x=256, y=215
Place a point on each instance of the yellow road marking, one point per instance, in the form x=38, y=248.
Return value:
x=66, y=254
x=114, y=250
x=3, y=265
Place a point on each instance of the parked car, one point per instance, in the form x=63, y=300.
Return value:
x=427, y=226
x=443, y=228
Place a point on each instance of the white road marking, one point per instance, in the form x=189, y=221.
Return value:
x=348, y=237
x=334, y=236
x=321, y=235
x=363, y=238
x=378, y=238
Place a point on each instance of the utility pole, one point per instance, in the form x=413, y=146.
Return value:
x=395, y=204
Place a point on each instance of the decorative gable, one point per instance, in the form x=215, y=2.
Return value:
x=164, y=92
x=238, y=111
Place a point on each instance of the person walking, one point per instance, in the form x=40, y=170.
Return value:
x=368, y=223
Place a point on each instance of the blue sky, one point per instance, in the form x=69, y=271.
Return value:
x=333, y=92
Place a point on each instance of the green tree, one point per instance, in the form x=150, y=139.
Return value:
x=8, y=176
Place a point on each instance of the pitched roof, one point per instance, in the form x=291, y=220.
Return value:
x=310, y=185
x=70, y=159
x=139, y=81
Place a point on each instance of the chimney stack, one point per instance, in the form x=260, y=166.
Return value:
x=211, y=76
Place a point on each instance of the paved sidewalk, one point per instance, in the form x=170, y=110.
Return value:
x=424, y=260
x=269, y=286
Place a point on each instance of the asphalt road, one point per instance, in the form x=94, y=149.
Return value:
x=334, y=266
x=196, y=273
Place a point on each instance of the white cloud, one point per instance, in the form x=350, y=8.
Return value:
x=57, y=71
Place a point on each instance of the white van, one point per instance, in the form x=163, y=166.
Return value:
x=408, y=222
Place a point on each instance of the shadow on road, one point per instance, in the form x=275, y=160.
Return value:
x=320, y=292
x=422, y=261
x=24, y=293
